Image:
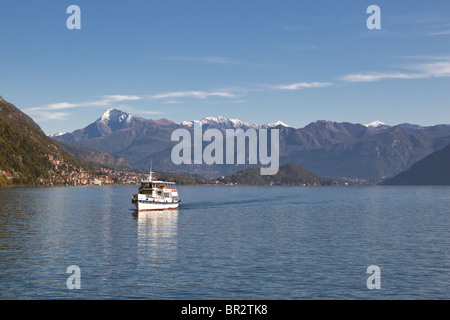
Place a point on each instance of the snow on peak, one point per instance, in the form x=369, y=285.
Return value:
x=114, y=115
x=221, y=121
x=276, y=124
x=57, y=134
x=187, y=123
x=106, y=115
x=375, y=124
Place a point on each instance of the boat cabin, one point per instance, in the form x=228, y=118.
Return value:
x=159, y=190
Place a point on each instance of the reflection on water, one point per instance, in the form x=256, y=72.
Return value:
x=156, y=235
x=156, y=251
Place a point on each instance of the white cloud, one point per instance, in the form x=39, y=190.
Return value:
x=108, y=100
x=372, y=77
x=57, y=106
x=118, y=98
x=105, y=101
x=418, y=71
x=435, y=69
x=149, y=112
x=303, y=85
x=50, y=115
x=193, y=94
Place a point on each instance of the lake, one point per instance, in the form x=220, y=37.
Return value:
x=226, y=242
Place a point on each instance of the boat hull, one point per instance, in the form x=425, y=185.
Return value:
x=154, y=206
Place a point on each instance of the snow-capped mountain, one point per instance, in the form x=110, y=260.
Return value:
x=221, y=122
x=376, y=124
x=111, y=121
x=116, y=119
x=55, y=135
x=276, y=124
x=326, y=148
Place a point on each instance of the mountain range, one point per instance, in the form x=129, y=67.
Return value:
x=226, y=123
x=326, y=148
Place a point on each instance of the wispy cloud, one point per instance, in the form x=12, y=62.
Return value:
x=373, y=76
x=193, y=94
x=303, y=85
x=435, y=69
x=105, y=101
x=418, y=71
x=149, y=112
x=119, y=98
x=49, y=112
x=50, y=115
x=56, y=106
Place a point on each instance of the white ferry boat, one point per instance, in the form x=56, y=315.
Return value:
x=156, y=195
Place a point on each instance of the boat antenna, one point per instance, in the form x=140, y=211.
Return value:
x=150, y=175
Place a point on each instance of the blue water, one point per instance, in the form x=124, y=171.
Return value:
x=227, y=242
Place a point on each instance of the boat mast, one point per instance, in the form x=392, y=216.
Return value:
x=150, y=175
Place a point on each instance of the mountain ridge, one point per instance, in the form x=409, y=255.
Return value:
x=228, y=123
x=288, y=175
x=434, y=169
x=27, y=155
x=327, y=148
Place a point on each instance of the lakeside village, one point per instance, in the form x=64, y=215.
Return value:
x=65, y=174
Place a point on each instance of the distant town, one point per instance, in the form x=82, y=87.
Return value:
x=63, y=173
